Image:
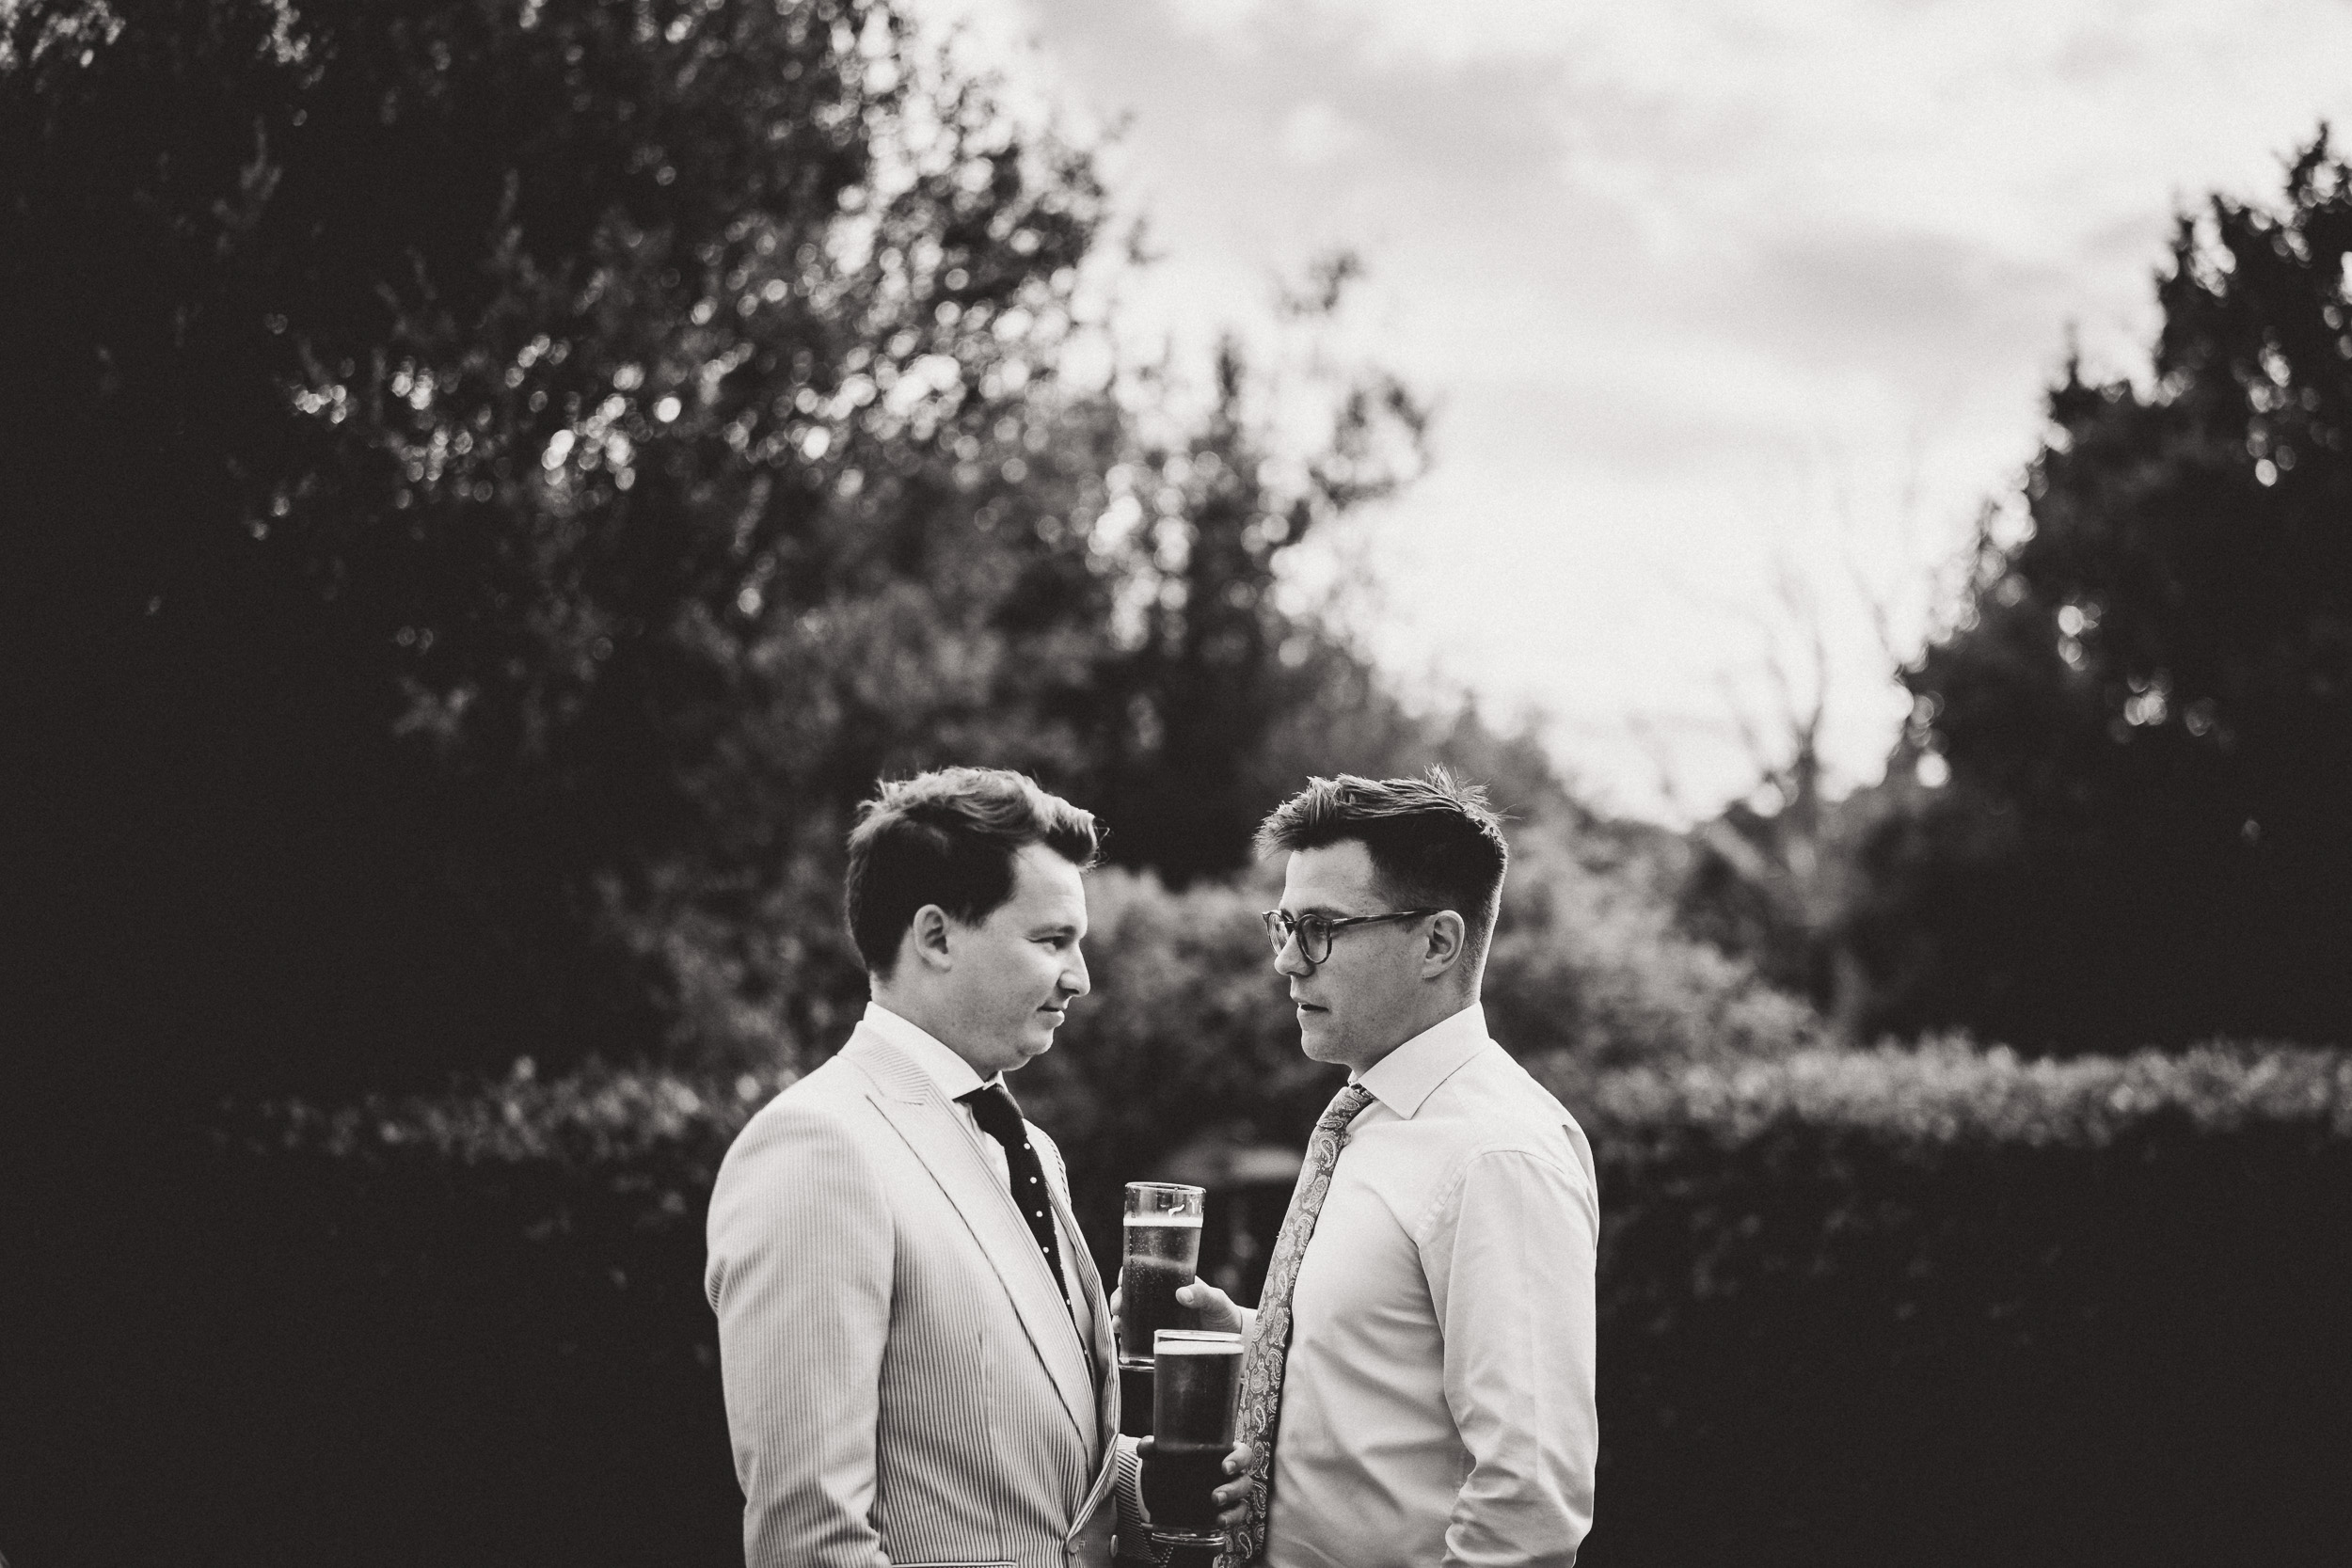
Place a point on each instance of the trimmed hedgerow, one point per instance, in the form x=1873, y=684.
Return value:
x=1941, y=1092
x=1948, y=1091
x=1942, y=1307
x=596, y=1118
x=1885, y=1307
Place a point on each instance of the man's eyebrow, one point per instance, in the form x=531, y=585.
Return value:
x=1050, y=928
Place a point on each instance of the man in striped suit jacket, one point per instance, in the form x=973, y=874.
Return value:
x=915, y=1343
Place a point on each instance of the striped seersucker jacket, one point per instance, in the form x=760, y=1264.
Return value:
x=904, y=1384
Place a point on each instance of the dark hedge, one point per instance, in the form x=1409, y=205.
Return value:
x=1893, y=1308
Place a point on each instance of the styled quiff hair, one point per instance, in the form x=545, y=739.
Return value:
x=948, y=837
x=1435, y=843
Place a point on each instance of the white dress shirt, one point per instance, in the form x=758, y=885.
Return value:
x=956, y=1078
x=1437, y=1402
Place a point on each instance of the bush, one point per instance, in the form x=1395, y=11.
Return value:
x=1947, y=1091
x=1830, y=1345
x=1890, y=1307
x=1188, y=1029
x=1588, y=965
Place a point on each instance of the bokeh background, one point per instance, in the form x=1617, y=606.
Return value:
x=491, y=485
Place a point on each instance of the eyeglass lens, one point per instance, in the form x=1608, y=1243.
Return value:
x=1314, y=935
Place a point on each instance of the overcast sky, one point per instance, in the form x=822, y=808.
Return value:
x=1713, y=295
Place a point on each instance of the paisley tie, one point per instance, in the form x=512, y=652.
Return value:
x=1262, y=1369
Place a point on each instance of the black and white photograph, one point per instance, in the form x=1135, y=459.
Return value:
x=1175, y=783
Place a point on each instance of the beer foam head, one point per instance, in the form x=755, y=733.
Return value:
x=1191, y=1341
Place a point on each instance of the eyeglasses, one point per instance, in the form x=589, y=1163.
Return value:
x=1313, y=932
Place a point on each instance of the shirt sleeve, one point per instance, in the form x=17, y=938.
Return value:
x=1509, y=1258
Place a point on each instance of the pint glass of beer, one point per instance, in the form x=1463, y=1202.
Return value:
x=1163, y=1253
x=1195, y=1392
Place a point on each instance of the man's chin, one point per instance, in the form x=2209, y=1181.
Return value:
x=1316, y=1036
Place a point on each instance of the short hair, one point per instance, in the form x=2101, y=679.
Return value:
x=1435, y=843
x=948, y=837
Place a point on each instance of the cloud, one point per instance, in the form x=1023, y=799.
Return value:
x=1913, y=306
x=2032, y=119
x=1315, y=133
x=1217, y=16
x=1676, y=273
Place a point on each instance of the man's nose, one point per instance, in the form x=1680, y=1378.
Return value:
x=1073, y=977
x=1291, y=958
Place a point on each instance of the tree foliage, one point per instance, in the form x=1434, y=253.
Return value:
x=2146, y=705
x=445, y=420
x=494, y=481
x=1216, y=661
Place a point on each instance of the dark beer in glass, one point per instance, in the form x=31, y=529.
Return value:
x=1162, y=1255
x=1195, y=1389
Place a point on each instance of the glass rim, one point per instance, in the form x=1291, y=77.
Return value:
x=1166, y=1535
x=1165, y=1187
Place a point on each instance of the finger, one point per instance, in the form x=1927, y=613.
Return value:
x=1240, y=1459
x=1235, y=1493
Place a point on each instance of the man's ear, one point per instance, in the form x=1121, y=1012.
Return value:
x=1449, y=938
x=929, y=936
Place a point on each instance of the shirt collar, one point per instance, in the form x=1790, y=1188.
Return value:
x=1406, y=1077
x=939, y=1062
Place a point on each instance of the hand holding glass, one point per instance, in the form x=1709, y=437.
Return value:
x=1162, y=1255
x=1195, y=1394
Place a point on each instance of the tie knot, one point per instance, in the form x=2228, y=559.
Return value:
x=1346, y=1107
x=998, y=1114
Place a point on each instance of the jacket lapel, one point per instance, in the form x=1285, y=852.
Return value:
x=1106, y=1352
x=932, y=1130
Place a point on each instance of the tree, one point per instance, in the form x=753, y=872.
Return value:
x=496, y=481
x=2146, y=707
x=1211, y=662
x=436, y=425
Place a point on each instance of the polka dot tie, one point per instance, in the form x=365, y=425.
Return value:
x=993, y=1108
x=1269, y=1347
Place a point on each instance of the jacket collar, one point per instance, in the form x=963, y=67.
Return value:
x=955, y=1076
x=937, y=1136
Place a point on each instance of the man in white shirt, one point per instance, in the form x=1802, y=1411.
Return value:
x=914, y=1342
x=1421, y=1362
